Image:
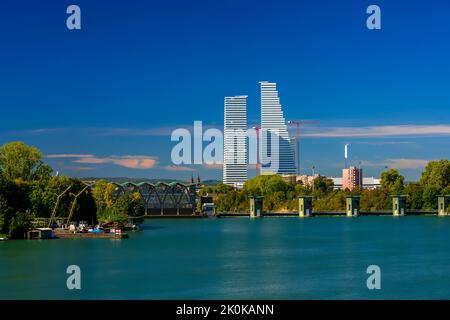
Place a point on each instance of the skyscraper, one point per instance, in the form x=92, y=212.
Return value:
x=273, y=126
x=235, y=141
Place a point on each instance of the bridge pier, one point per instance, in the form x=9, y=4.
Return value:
x=443, y=205
x=352, y=206
x=256, y=207
x=304, y=206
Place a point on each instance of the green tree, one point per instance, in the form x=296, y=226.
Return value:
x=44, y=194
x=302, y=190
x=430, y=194
x=20, y=223
x=20, y=161
x=331, y=201
x=222, y=188
x=392, y=181
x=323, y=184
x=5, y=215
x=130, y=205
x=104, y=194
x=265, y=184
x=375, y=200
x=414, y=192
x=436, y=173
x=15, y=194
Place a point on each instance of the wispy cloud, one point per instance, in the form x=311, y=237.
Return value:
x=158, y=131
x=68, y=155
x=383, y=143
x=399, y=163
x=177, y=168
x=78, y=168
x=132, y=162
x=124, y=132
x=407, y=163
x=316, y=131
x=382, y=131
x=128, y=161
x=214, y=166
x=164, y=131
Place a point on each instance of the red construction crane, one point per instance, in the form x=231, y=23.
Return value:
x=298, y=123
x=257, y=148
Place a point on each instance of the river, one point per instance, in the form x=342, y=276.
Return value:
x=240, y=258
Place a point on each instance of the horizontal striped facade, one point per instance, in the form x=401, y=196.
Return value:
x=273, y=126
x=235, y=141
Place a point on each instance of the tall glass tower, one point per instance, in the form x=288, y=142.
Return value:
x=273, y=126
x=235, y=141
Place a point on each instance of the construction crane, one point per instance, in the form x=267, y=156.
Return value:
x=257, y=128
x=55, y=208
x=74, y=203
x=299, y=123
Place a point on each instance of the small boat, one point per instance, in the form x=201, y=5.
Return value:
x=95, y=230
x=3, y=239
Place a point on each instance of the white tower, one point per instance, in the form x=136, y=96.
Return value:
x=235, y=141
x=273, y=123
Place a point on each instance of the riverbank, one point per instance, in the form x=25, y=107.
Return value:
x=66, y=234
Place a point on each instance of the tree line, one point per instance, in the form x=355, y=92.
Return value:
x=29, y=189
x=281, y=196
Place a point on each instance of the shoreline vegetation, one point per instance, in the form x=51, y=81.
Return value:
x=30, y=190
x=281, y=196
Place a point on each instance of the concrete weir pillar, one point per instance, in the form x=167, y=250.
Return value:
x=256, y=207
x=398, y=205
x=304, y=206
x=443, y=205
x=352, y=206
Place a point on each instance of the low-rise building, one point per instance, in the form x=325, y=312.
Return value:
x=303, y=179
x=368, y=183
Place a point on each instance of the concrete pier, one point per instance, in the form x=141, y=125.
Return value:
x=304, y=206
x=256, y=207
x=443, y=205
x=352, y=206
x=398, y=205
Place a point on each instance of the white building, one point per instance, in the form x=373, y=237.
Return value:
x=235, y=141
x=274, y=124
x=368, y=183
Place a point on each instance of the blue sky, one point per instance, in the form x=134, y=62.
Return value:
x=100, y=101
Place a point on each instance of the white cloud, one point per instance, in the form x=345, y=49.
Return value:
x=68, y=155
x=407, y=163
x=382, y=131
x=129, y=161
x=178, y=168
x=398, y=163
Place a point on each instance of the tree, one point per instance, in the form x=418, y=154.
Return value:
x=44, y=194
x=392, y=181
x=375, y=200
x=104, y=194
x=130, y=205
x=415, y=199
x=323, y=184
x=430, y=194
x=20, y=161
x=332, y=201
x=20, y=223
x=302, y=190
x=436, y=173
x=222, y=188
x=5, y=215
x=265, y=184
